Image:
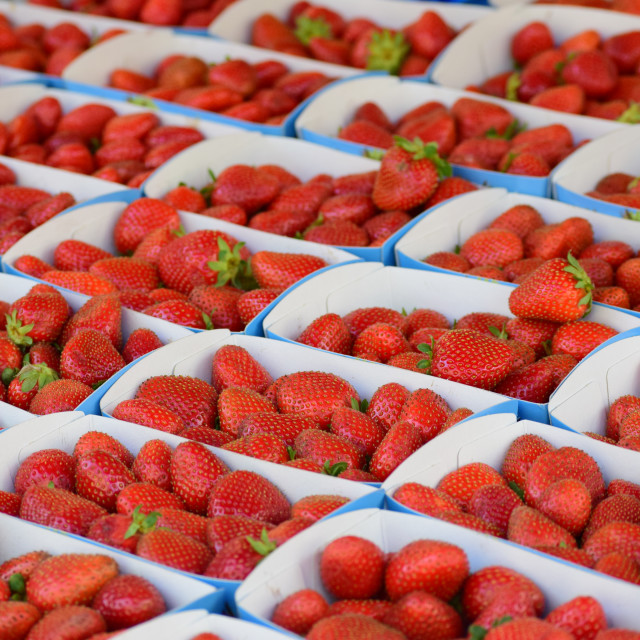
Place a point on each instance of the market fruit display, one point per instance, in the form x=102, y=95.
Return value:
x=351, y=210
x=586, y=74
x=24, y=207
x=94, y=140
x=621, y=427
x=410, y=592
x=618, y=188
x=160, y=13
x=36, y=47
x=307, y=419
x=265, y=91
x=471, y=133
x=53, y=359
x=47, y=596
x=517, y=241
x=552, y=499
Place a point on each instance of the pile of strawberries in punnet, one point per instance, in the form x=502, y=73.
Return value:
x=204, y=279
x=354, y=210
x=584, y=74
x=93, y=139
x=264, y=91
x=312, y=420
x=623, y=426
x=72, y=595
x=471, y=133
x=187, y=13
x=322, y=33
x=552, y=499
x=181, y=507
x=518, y=241
x=618, y=188
x=22, y=207
x=52, y=359
x=34, y=47
x=426, y=589
x=524, y=357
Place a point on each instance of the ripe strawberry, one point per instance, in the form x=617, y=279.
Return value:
x=114, y=530
x=69, y=579
x=23, y=564
x=408, y=175
x=59, y=395
x=580, y=338
x=299, y=611
x=462, y=483
x=475, y=118
x=494, y=503
x=380, y=339
x=620, y=507
x=314, y=394
x=190, y=398
x=425, y=499
x=627, y=278
x=179, y=312
x=623, y=537
x=352, y=567
x=352, y=625
x=400, y=441
x=152, y=464
x=146, y=497
x=193, y=471
x=9, y=503
x=285, y=426
x=327, y=449
x=328, y=332
x=234, y=366
x=239, y=557
x=244, y=186
x=100, y=477
x=569, y=98
x=140, y=342
x=59, y=509
x=568, y=503
x=127, y=273
x=45, y=466
x=17, y=618
x=88, y=284
x=80, y=621
x=583, y=617
x=386, y=404
x=531, y=39
x=593, y=71
x=281, y=270
x=77, y=255
x=235, y=403
x=223, y=528
x=174, y=550
x=357, y=428
x=619, y=566
x=219, y=304
x=449, y=187
x=314, y=507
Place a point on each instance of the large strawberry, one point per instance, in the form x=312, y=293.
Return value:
x=559, y=290
x=408, y=175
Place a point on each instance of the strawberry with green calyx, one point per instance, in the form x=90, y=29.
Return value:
x=18, y=332
x=558, y=290
x=307, y=28
x=631, y=114
x=387, y=51
x=239, y=556
x=231, y=266
x=408, y=175
x=26, y=383
x=141, y=522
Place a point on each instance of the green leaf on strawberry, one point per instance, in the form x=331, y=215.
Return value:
x=511, y=88
x=429, y=151
x=264, y=546
x=632, y=215
x=631, y=115
x=36, y=374
x=374, y=154
x=583, y=281
x=143, y=101
x=334, y=469
x=141, y=522
x=8, y=374
x=307, y=28
x=387, y=51
x=18, y=332
x=229, y=265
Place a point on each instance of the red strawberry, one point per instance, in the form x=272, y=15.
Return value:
x=328, y=332
x=583, y=617
x=425, y=499
x=239, y=556
x=71, y=620
x=9, y=503
x=569, y=98
x=152, y=464
x=219, y=304
x=352, y=567
x=246, y=187
x=299, y=611
x=88, y=284
x=17, y=618
x=327, y=449
x=92, y=440
x=77, y=255
x=386, y=404
x=533, y=38
x=568, y=503
x=462, y=483
x=100, y=477
x=285, y=426
x=400, y=441
x=179, y=312
x=223, y=528
x=127, y=273
x=234, y=366
x=619, y=566
x=494, y=503
x=357, y=428
x=59, y=395
x=43, y=467
x=475, y=118
x=174, y=549
x=90, y=357
x=146, y=497
x=352, y=625
x=593, y=71
x=381, y=340
x=140, y=342
x=580, y=338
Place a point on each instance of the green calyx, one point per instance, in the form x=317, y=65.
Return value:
x=374, y=154
x=8, y=375
x=208, y=323
x=18, y=586
x=583, y=281
x=36, y=374
x=231, y=267
x=360, y=406
x=631, y=115
x=179, y=232
x=264, y=546
x=500, y=333
x=511, y=88
x=387, y=51
x=334, y=469
x=421, y=151
x=517, y=489
x=17, y=332
x=632, y=215
x=508, y=162
x=427, y=348
x=307, y=28
x=514, y=127
x=143, y=101
x=141, y=522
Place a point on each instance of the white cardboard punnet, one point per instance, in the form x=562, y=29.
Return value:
x=367, y=284
x=582, y=400
x=334, y=108
x=10, y=416
x=579, y=174
x=451, y=224
x=38, y=434
x=95, y=221
x=193, y=357
x=484, y=49
x=297, y=567
x=13, y=287
x=142, y=52
x=303, y=159
x=235, y=22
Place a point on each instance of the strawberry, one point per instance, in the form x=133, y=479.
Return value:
x=328, y=449
x=506, y=604
x=400, y=441
x=114, y=530
x=583, y=617
x=559, y=290
x=140, y=342
x=352, y=567
x=352, y=625
x=337, y=232
x=380, y=339
x=193, y=471
x=462, y=356
x=475, y=118
x=361, y=318
x=614, y=252
x=247, y=187
x=46, y=209
x=328, y=332
x=234, y=366
x=593, y=71
x=174, y=549
x=59, y=508
x=88, y=284
x=619, y=566
x=179, y=312
x=219, y=304
x=408, y=175
x=533, y=38
x=9, y=503
x=623, y=537
x=299, y=611
x=235, y=403
x=449, y=188
x=127, y=273
x=223, y=528
x=32, y=265
x=627, y=277
x=92, y=440
x=580, y=338
x=462, y=483
x=43, y=467
x=69, y=579
x=190, y=398
x=314, y=507
x=285, y=426
x=17, y=618
x=494, y=503
x=77, y=255
x=247, y=493
x=569, y=98
x=23, y=564
x=152, y=464
x=239, y=557
x=59, y=395
x=314, y=394
x=69, y=621
x=146, y=497
x=128, y=600
x=100, y=477
x=425, y=499
x=527, y=627
x=614, y=508
x=533, y=382
x=568, y=503
x=357, y=428
x=386, y=404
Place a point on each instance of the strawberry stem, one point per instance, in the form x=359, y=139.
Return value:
x=511, y=88
x=583, y=281
x=307, y=28
x=631, y=114
x=18, y=332
x=264, y=546
x=387, y=51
